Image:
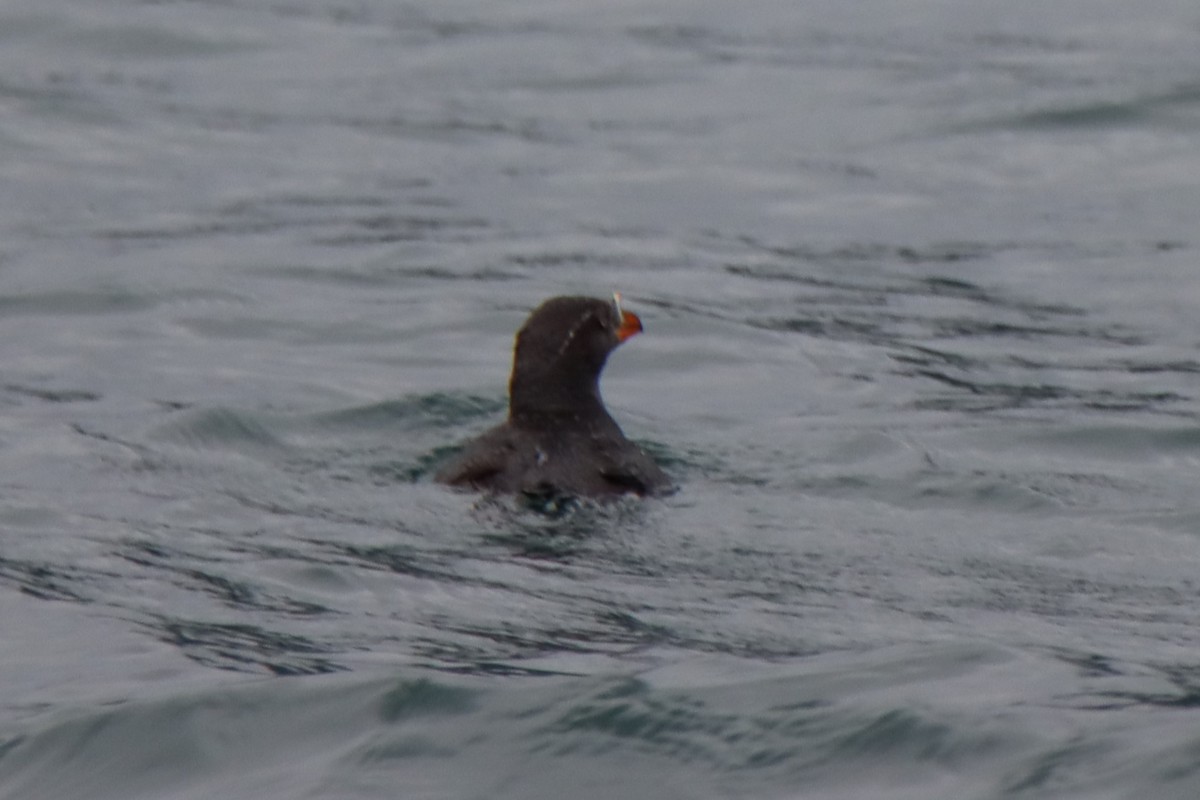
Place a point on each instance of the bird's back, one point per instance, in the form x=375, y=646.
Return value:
x=593, y=463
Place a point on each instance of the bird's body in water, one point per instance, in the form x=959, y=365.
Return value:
x=559, y=440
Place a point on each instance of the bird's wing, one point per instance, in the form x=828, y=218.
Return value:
x=634, y=471
x=480, y=463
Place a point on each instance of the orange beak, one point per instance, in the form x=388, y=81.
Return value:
x=630, y=325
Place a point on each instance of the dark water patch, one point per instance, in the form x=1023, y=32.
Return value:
x=680, y=462
x=376, y=276
x=950, y=252
x=885, y=291
x=437, y=409
x=984, y=396
x=392, y=228
x=968, y=327
x=427, y=698
x=333, y=275
x=928, y=357
x=528, y=736
x=124, y=453
x=200, y=229
x=1065, y=592
x=799, y=739
x=117, y=450
x=1112, y=685
x=231, y=119
x=419, y=469
x=1056, y=771
x=1103, y=366
x=295, y=331
x=69, y=302
x=302, y=508
x=405, y=560
x=243, y=647
x=501, y=669
x=831, y=327
x=53, y=395
x=47, y=581
x=463, y=130
x=1178, y=105
x=287, y=204
x=628, y=714
x=899, y=329
x=597, y=79
x=338, y=14
x=707, y=43
x=904, y=734
x=49, y=90
x=1185, y=681
x=806, y=48
x=1077, y=378
x=243, y=595
x=1092, y=115
x=443, y=273
x=181, y=567
x=465, y=643
x=1091, y=665
x=1035, y=489
x=220, y=428
x=695, y=127
x=10, y=743
x=543, y=260
x=147, y=553
x=342, y=275
x=154, y=746
x=977, y=344
x=561, y=534
x=332, y=221
x=1171, y=367
x=597, y=257
x=69, y=97
x=407, y=223
x=1114, y=441
x=1006, y=42
x=414, y=24
x=141, y=41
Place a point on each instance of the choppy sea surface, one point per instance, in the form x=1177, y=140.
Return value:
x=920, y=284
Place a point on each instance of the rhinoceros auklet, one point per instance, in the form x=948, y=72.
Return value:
x=558, y=438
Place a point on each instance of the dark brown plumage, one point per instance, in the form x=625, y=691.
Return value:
x=558, y=438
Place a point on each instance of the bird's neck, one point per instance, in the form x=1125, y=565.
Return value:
x=536, y=400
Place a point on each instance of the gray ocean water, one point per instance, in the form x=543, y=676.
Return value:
x=920, y=285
